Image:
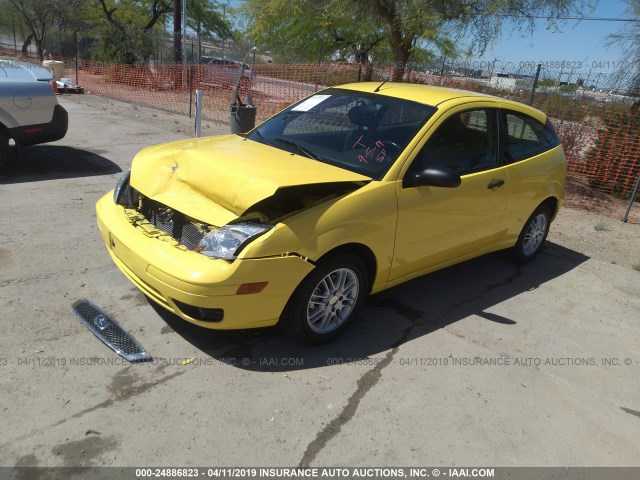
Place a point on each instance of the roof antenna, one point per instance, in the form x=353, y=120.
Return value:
x=379, y=87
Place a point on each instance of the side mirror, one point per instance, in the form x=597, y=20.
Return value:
x=433, y=177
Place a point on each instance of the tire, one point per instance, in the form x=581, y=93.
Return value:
x=533, y=235
x=326, y=301
x=4, y=147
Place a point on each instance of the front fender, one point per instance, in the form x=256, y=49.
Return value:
x=367, y=217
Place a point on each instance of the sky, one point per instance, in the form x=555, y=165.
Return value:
x=580, y=43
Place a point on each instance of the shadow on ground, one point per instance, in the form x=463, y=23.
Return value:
x=50, y=162
x=392, y=317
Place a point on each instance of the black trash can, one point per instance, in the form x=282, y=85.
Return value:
x=243, y=117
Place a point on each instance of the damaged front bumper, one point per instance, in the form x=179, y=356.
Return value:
x=204, y=291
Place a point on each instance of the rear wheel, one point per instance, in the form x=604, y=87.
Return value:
x=326, y=302
x=533, y=235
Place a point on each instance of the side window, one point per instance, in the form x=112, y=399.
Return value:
x=465, y=142
x=525, y=137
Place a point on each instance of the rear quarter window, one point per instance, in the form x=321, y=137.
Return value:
x=524, y=137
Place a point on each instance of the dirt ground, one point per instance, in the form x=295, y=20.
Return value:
x=484, y=363
x=598, y=236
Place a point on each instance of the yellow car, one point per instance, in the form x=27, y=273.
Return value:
x=346, y=193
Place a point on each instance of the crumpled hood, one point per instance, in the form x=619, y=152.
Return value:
x=217, y=179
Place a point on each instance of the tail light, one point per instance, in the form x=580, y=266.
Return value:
x=54, y=87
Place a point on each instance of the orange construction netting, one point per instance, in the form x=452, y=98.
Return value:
x=600, y=133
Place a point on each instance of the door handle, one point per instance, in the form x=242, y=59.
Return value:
x=495, y=184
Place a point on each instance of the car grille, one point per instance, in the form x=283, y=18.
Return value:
x=173, y=223
x=109, y=331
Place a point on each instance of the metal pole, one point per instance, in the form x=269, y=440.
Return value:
x=631, y=200
x=224, y=19
x=198, y=124
x=235, y=96
x=318, y=68
x=75, y=42
x=184, y=41
x=15, y=42
x=190, y=89
x=535, y=84
x=60, y=38
x=177, y=41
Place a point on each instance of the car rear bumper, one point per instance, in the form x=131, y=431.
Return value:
x=199, y=289
x=44, y=132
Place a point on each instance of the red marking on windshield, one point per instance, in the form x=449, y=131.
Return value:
x=359, y=143
x=378, y=147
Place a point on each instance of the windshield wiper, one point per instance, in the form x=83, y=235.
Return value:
x=297, y=147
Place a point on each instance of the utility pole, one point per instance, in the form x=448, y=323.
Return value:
x=15, y=43
x=177, y=32
x=184, y=41
x=535, y=84
x=224, y=19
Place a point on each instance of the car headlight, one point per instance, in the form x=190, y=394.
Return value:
x=124, y=180
x=227, y=241
x=123, y=194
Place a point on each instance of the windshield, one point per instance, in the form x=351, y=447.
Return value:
x=357, y=131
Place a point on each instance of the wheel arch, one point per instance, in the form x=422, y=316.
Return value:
x=553, y=203
x=362, y=252
x=5, y=137
x=293, y=318
x=5, y=129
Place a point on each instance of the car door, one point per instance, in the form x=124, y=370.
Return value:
x=439, y=224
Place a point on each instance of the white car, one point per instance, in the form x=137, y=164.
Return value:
x=29, y=111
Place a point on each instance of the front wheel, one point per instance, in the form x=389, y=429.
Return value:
x=533, y=235
x=326, y=302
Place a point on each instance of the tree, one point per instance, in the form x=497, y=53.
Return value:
x=305, y=29
x=131, y=22
x=406, y=26
x=38, y=16
x=628, y=39
x=204, y=18
x=481, y=20
x=406, y=20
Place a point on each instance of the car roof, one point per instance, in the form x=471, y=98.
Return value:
x=435, y=96
x=17, y=70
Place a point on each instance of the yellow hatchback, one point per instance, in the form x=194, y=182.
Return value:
x=346, y=193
